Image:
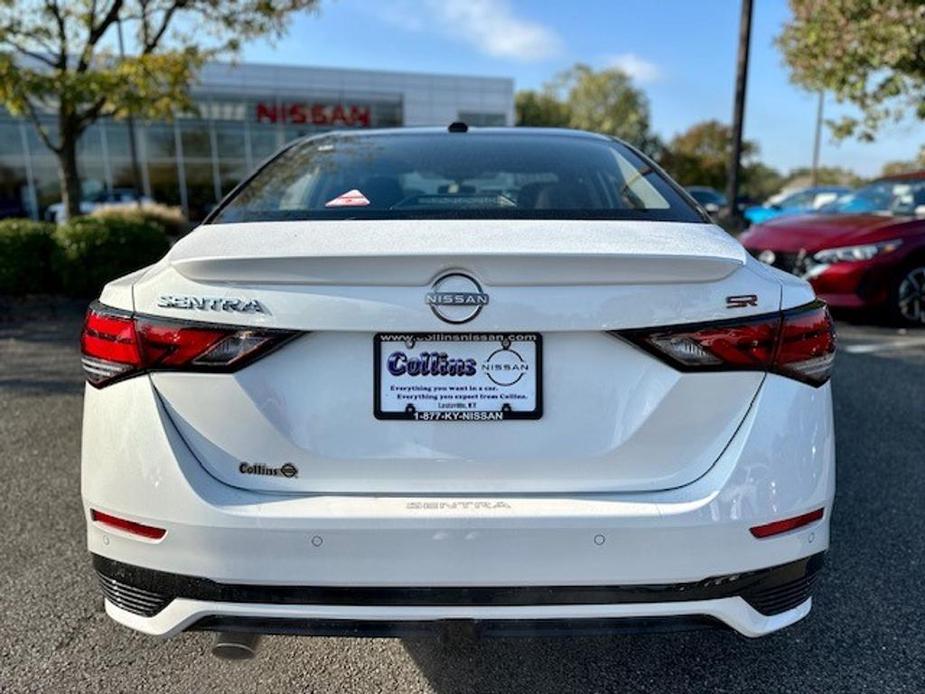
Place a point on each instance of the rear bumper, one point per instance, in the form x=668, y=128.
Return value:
x=779, y=464
x=161, y=604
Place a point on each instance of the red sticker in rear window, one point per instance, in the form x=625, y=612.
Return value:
x=352, y=198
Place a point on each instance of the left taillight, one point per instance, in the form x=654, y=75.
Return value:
x=117, y=344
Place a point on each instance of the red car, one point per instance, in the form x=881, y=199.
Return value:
x=863, y=251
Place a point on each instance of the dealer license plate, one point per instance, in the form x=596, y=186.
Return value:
x=458, y=377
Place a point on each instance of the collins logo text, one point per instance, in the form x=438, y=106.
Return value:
x=286, y=470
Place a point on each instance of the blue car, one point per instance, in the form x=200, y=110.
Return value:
x=711, y=199
x=806, y=200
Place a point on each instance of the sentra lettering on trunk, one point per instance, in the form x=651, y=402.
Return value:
x=456, y=505
x=207, y=303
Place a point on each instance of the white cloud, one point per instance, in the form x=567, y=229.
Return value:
x=640, y=69
x=489, y=26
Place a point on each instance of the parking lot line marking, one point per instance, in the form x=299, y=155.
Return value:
x=890, y=346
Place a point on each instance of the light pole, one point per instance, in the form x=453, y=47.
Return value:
x=818, y=141
x=738, y=110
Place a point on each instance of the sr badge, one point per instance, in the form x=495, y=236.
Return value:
x=741, y=301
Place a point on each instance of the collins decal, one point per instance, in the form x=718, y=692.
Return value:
x=286, y=470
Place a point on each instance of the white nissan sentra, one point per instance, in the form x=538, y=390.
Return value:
x=514, y=377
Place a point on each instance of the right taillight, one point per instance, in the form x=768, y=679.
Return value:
x=117, y=344
x=799, y=343
x=806, y=345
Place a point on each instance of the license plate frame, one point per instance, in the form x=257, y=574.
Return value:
x=476, y=414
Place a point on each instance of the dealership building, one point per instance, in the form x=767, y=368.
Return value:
x=245, y=112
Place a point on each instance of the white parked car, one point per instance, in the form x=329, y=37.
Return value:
x=124, y=197
x=501, y=375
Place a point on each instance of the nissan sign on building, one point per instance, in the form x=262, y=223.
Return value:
x=320, y=114
x=244, y=113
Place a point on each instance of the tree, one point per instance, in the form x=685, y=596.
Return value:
x=700, y=155
x=825, y=176
x=604, y=101
x=759, y=181
x=869, y=54
x=892, y=168
x=56, y=58
x=541, y=109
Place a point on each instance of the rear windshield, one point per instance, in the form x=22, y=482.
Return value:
x=457, y=175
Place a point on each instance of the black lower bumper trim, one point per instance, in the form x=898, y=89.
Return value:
x=475, y=627
x=770, y=591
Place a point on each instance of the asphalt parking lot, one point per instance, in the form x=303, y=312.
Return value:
x=866, y=632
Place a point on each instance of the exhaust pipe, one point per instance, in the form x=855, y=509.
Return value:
x=235, y=646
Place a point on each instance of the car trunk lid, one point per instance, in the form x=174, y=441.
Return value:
x=614, y=418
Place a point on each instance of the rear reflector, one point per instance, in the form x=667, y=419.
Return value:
x=127, y=526
x=117, y=344
x=799, y=343
x=786, y=525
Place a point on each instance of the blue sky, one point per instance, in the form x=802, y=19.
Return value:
x=682, y=53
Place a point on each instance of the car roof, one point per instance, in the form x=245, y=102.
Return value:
x=508, y=131
x=821, y=189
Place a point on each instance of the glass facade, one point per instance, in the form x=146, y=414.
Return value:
x=191, y=162
x=244, y=113
x=15, y=191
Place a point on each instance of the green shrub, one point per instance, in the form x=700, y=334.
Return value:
x=25, y=254
x=91, y=251
x=171, y=219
